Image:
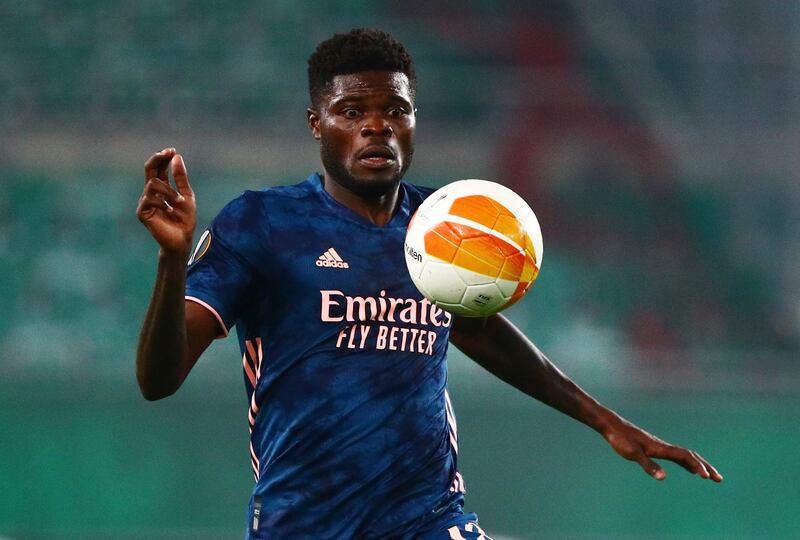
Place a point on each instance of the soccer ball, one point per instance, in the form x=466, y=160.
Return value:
x=473, y=247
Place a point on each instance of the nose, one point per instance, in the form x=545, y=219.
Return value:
x=376, y=124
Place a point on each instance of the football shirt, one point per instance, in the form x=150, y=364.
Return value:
x=352, y=431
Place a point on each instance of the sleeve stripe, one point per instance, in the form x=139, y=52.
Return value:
x=213, y=312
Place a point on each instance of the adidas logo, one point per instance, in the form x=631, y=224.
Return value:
x=331, y=259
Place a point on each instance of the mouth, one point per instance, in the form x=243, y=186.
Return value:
x=376, y=156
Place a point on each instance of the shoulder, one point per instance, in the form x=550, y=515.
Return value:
x=276, y=198
x=257, y=205
x=240, y=213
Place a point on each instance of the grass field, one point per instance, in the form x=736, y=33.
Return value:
x=91, y=459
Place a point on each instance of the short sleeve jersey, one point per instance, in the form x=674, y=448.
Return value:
x=352, y=431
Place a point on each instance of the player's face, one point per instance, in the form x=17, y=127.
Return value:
x=365, y=126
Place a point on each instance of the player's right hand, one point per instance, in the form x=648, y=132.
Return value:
x=168, y=213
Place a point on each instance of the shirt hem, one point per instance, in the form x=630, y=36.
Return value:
x=213, y=312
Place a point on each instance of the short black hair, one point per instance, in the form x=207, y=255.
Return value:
x=360, y=49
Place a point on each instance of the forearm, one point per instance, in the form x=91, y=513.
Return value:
x=162, y=354
x=504, y=351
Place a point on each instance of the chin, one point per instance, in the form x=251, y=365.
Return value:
x=370, y=188
x=369, y=184
x=364, y=182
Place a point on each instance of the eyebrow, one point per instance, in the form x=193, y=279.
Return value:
x=358, y=98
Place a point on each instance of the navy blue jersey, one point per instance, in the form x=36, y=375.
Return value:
x=352, y=431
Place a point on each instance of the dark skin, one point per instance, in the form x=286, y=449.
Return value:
x=175, y=332
x=365, y=124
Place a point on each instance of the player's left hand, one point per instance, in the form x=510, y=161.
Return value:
x=635, y=444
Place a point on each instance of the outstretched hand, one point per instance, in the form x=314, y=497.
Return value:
x=635, y=444
x=168, y=213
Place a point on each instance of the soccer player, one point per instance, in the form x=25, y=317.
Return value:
x=352, y=429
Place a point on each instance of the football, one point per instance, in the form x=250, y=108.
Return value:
x=473, y=247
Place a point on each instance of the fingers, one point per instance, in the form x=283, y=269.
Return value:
x=712, y=471
x=689, y=460
x=180, y=175
x=700, y=466
x=650, y=467
x=156, y=166
x=154, y=188
x=158, y=195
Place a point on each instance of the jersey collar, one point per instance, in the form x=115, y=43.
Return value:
x=399, y=219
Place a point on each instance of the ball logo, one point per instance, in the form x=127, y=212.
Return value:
x=482, y=299
x=413, y=253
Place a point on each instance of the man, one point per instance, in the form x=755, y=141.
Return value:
x=350, y=438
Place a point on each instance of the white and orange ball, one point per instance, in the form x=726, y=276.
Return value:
x=473, y=247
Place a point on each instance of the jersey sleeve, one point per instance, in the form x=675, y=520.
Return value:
x=226, y=260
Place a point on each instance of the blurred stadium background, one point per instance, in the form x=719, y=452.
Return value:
x=656, y=140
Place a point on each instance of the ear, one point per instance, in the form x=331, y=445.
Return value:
x=313, y=122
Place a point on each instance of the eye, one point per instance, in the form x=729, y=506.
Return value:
x=350, y=113
x=397, y=112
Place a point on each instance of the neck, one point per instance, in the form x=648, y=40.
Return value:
x=377, y=210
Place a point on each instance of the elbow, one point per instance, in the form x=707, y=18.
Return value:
x=152, y=391
x=159, y=375
x=155, y=394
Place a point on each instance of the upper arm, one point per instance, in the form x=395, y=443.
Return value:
x=201, y=329
x=493, y=342
x=467, y=330
x=221, y=273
